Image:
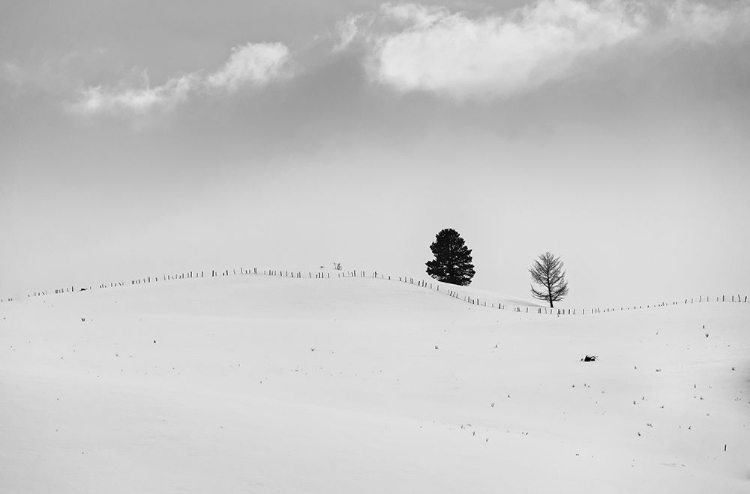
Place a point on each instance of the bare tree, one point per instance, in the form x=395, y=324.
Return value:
x=547, y=271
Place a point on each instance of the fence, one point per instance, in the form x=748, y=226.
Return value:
x=430, y=285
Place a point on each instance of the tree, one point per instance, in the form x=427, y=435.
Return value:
x=452, y=263
x=547, y=271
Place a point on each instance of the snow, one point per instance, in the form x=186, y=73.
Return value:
x=254, y=383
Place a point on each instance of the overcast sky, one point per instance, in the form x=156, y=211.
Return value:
x=143, y=137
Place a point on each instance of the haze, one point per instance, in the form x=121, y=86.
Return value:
x=140, y=139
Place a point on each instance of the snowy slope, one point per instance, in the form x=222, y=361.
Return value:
x=268, y=384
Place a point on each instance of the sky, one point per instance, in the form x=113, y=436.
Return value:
x=141, y=138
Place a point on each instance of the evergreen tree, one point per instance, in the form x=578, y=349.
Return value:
x=452, y=263
x=547, y=271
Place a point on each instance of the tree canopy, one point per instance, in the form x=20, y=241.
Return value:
x=452, y=263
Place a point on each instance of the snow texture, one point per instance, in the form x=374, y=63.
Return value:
x=271, y=384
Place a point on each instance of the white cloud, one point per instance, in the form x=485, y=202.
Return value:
x=350, y=28
x=140, y=99
x=704, y=23
x=419, y=16
x=448, y=53
x=250, y=64
x=414, y=47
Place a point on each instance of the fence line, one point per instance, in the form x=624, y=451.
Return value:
x=403, y=279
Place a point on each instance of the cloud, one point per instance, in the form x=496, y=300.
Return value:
x=350, y=28
x=410, y=47
x=432, y=49
x=416, y=15
x=140, y=100
x=413, y=47
x=704, y=23
x=449, y=53
x=250, y=64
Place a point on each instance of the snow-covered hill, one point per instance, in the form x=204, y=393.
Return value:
x=274, y=384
